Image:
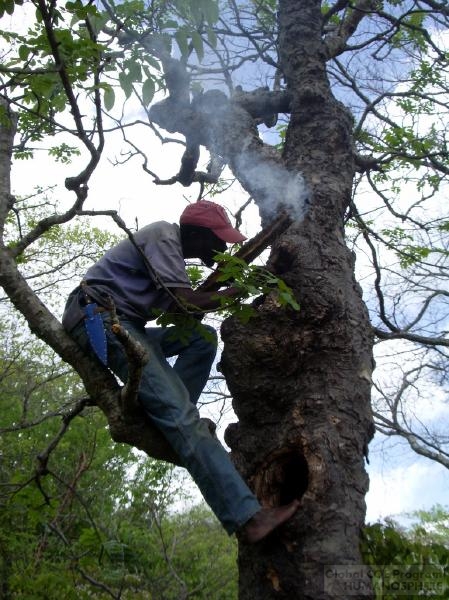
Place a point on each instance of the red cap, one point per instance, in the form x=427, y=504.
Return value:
x=208, y=214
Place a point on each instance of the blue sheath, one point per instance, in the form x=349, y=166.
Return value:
x=95, y=332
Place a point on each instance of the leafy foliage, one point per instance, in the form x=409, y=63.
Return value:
x=251, y=280
x=97, y=518
x=45, y=262
x=412, y=562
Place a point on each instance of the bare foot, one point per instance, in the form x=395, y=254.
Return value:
x=266, y=520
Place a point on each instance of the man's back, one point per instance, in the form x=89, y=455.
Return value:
x=122, y=273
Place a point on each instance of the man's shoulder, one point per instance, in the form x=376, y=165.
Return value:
x=158, y=230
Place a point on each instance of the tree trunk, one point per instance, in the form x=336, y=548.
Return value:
x=301, y=381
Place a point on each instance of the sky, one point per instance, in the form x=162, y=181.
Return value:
x=400, y=481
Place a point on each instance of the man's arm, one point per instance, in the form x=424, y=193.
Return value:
x=203, y=300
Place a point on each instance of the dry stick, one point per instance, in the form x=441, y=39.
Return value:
x=251, y=250
x=137, y=358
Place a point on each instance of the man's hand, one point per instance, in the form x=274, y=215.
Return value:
x=204, y=300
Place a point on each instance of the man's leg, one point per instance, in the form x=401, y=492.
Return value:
x=195, y=351
x=166, y=401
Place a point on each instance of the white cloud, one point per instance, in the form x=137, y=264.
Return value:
x=402, y=482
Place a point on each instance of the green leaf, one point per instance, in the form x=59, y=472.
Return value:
x=182, y=41
x=210, y=11
x=24, y=52
x=195, y=274
x=169, y=24
x=9, y=6
x=212, y=38
x=23, y=155
x=109, y=97
x=245, y=312
x=134, y=70
x=63, y=153
x=126, y=83
x=148, y=90
x=153, y=62
x=251, y=281
x=197, y=42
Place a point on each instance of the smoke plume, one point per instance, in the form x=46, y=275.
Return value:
x=273, y=186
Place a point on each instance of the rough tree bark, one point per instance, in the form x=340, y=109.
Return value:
x=301, y=382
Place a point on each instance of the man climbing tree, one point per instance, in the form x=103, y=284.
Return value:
x=300, y=380
x=107, y=313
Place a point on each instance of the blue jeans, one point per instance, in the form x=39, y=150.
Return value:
x=169, y=395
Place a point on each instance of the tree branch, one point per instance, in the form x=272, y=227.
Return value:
x=397, y=334
x=137, y=359
x=336, y=42
x=8, y=125
x=66, y=420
